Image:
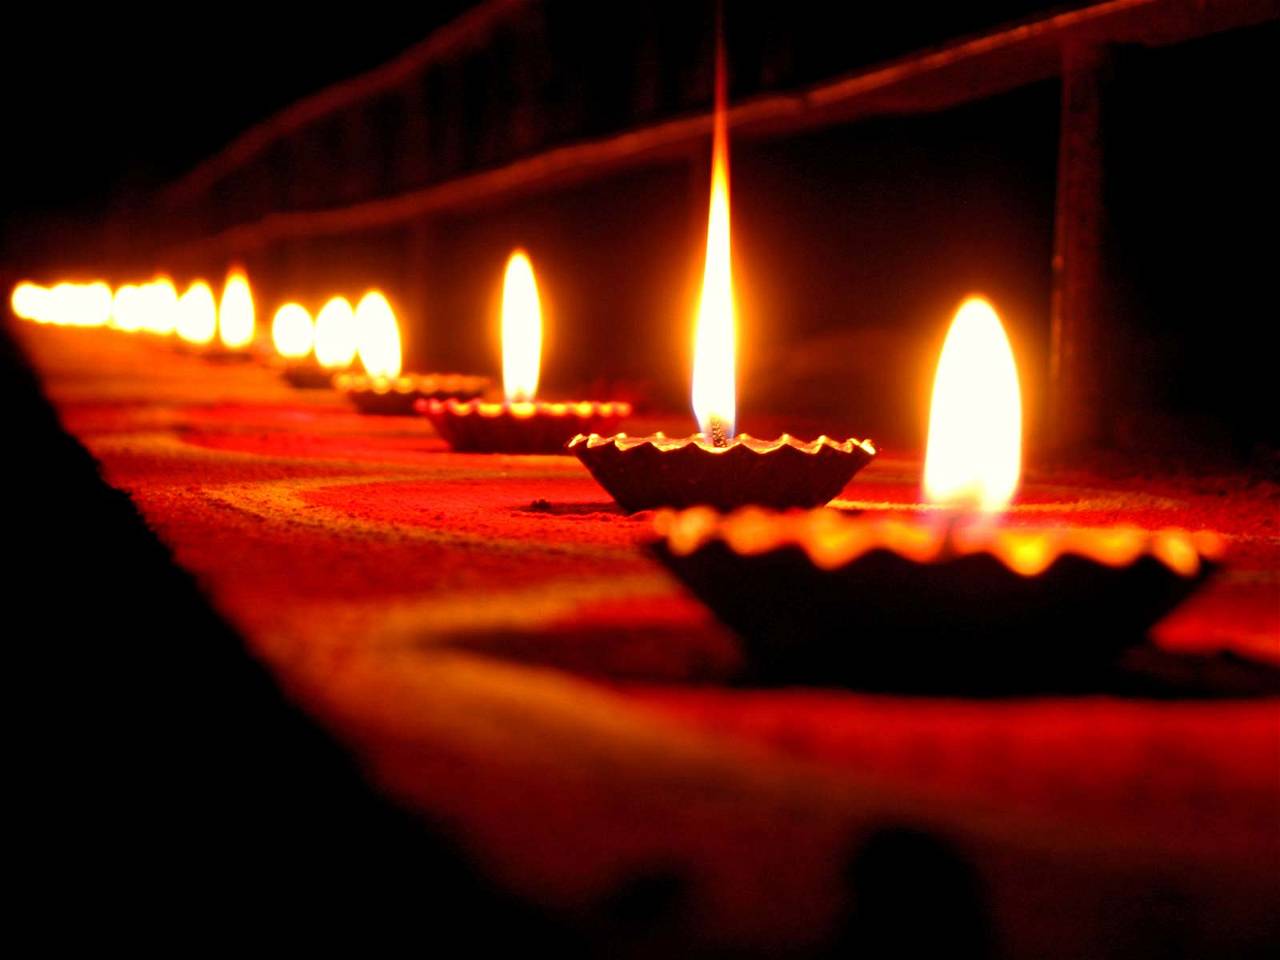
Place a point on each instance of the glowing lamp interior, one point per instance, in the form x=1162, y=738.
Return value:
x=521, y=330
x=974, y=454
x=197, y=314
x=715, y=330
x=377, y=336
x=335, y=334
x=235, y=313
x=291, y=331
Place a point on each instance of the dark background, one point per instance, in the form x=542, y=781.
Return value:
x=852, y=244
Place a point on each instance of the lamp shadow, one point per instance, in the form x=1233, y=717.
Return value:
x=709, y=654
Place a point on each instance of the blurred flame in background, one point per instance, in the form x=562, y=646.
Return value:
x=377, y=336
x=521, y=330
x=30, y=301
x=974, y=453
x=292, y=331
x=335, y=334
x=159, y=306
x=126, y=308
x=197, y=314
x=235, y=312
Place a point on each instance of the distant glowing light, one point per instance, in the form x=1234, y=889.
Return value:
x=30, y=301
x=235, y=313
x=335, y=335
x=377, y=336
x=126, y=308
x=197, y=314
x=158, y=306
x=292, y=331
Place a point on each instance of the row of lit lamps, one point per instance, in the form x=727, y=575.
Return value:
x=337, y=335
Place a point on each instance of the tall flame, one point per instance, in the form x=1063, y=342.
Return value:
x=974, y=456
x=197, y=314
x=377, y=336
x=521, y=330
x=235, y=312
x=335, y=334
x=715, y=333
x=292, y=331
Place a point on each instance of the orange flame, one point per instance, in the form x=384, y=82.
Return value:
x=235, y=312
x=197, y=314
x=715, y=332
x=158, y=306
x=126, y=307
x=30, y=301
x=335, y=334
x=521, y=330
x=377, y=336
x=974, y=455
x=292, y=331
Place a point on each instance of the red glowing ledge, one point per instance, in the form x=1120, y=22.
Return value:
x=643, y=473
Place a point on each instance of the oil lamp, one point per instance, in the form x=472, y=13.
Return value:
x=520, y=423
x=717, y=467
x=382, y=388
x=950, y=598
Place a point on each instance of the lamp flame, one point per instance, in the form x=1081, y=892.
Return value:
x=521, y=330
x=292, y=331
x=126, y=304
x=377, y=336
x=158, y=306
x=30, y=301
x=335, y=334
x=715, y=332
x=197, y=314
x=974, y=454
x=235, y=312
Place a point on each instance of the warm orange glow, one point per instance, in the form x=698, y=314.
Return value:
x=715, y=332
x=974, y=456
x=521, y=330
x=235, y=313
x=377, y=336
x=292, y=331
x=79, y=304
x=30, y=301
x=197, y=314
x=158, y=306
x=126, y=313
x=335, y=334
